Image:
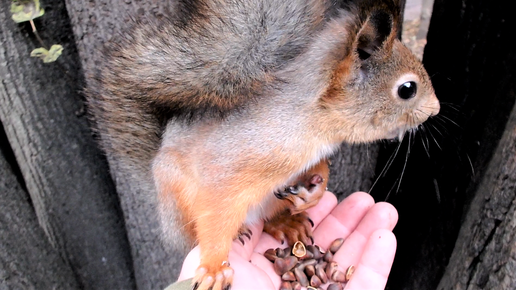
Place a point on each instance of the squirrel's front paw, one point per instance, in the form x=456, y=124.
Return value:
x=305, y=195
x=291, y=228
x=213, y=278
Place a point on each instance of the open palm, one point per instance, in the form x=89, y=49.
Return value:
x=369, y=244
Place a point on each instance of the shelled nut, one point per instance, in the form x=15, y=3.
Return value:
x=309, y=266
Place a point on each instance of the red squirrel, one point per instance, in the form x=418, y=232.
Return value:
x=235, y=106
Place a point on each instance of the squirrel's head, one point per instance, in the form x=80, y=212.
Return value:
x=379, y=89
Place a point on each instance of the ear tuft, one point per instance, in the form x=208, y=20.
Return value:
x=374, y=33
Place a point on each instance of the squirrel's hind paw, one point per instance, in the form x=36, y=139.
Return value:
x=220, y=279
x=290, y=228
x=244, y=233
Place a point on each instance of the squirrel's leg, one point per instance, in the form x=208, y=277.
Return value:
x=203, y=216
x=292, y=223
x=215, y=231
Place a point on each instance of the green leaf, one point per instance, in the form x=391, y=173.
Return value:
x=48, y=55
x=40, y=52
x=54, y=52
x=26, y=10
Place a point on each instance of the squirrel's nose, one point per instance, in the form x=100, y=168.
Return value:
x=432, y=105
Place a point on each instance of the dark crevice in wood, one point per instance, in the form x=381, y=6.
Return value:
x=8, y=153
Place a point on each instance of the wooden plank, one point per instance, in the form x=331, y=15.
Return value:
x=484, y=256
x=64, y=173
x=27, y=259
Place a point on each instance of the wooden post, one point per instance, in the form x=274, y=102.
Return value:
x=64, y=173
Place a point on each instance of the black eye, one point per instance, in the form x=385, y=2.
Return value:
x=407, y=90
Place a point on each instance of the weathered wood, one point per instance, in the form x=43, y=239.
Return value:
x=27, y=260
x=352, y=169
x=485, y=252
x=64, y=173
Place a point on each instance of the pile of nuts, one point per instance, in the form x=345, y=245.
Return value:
x=308, y=266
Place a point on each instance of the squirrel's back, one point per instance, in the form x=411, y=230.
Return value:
x=209, y=55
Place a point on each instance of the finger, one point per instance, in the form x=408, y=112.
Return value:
x=190, y=263
x=374, y=266
x=267, y=267
x=316, y=214
x=344, y=219
x=252, y=275
x=326, y=204
x=381, y=216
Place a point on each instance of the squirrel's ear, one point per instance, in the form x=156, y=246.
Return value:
x=378, y=31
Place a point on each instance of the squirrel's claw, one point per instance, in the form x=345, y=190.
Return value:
x=244, y=232
x=205, y=279
x=281, y=194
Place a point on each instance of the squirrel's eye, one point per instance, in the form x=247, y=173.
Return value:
x=407, y=90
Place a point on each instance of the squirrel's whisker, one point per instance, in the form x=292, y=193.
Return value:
x=387, y=166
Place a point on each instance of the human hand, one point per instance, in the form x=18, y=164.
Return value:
x=369, y=244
